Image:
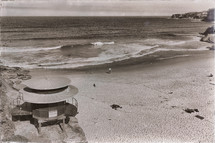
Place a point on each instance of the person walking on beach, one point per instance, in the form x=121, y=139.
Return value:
x=109, y=71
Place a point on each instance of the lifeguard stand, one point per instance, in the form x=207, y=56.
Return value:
x=47, y=99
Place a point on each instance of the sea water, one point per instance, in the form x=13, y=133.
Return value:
x=74, y=42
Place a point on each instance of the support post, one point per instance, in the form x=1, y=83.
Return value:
x=39, y=128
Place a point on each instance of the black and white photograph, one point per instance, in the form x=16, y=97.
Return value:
x=107, y=71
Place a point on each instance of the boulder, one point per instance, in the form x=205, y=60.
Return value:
x=11, y=75
x=24, y=77
x=210, y=38
x=209, y=30
x=115, y=106
x=22, y=72
x=211, y=48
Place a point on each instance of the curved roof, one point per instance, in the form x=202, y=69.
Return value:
x=47, y=83
x=51, y=96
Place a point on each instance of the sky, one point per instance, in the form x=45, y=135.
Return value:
x=102, y=7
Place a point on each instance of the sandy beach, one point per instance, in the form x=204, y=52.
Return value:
x=125, y=71
x=153, y=98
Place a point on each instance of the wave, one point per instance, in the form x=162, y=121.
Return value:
x=103, y=43
x=172, y=57
x=36, y=49
x=26, y=49
x=52, y=64
x=108, y=59
x=172, y=42
x=106, y=55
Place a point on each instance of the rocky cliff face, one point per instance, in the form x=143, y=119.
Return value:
x=193, y=15
x=210, y=15
x=204, y=15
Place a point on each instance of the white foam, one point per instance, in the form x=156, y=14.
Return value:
x=52, y=64
x=103, y=43
x=110, y=54
x=25, y=49
x=172, y=57
x=172, y=42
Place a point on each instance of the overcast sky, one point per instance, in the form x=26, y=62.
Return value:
x=102, y=7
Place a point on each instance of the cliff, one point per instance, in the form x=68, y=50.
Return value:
x=193, y=15
x=210, y=15
x=204, y=15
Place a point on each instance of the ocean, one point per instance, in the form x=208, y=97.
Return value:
x=78, y=42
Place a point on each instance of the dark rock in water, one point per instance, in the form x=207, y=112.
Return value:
x=209, y=30
x=170, y=92
x=200, y=117
x=115, y=106
x=211, y=48
x=94, y=85
x=210, y=38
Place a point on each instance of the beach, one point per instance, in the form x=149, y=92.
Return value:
x=140, y=79
x=153, y=98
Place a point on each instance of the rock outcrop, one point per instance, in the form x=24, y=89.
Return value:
x=210, y=15
x=209, y=35
x=192, y=15
x=204, y=15
x=209, y=30
x=209, y=38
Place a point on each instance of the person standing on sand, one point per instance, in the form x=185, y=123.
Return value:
x=109, y=70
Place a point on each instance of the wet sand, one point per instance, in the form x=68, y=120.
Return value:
x=153, y=97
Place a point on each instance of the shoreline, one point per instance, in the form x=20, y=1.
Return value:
x=151, y=94
x=153, y=98
x=143, y=62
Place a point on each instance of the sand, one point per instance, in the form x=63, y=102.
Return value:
x=153, y=98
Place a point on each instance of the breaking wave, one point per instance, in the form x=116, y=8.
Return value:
x=103, y=43
x=26, y=49
x=85, y=55
x=36, y=49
